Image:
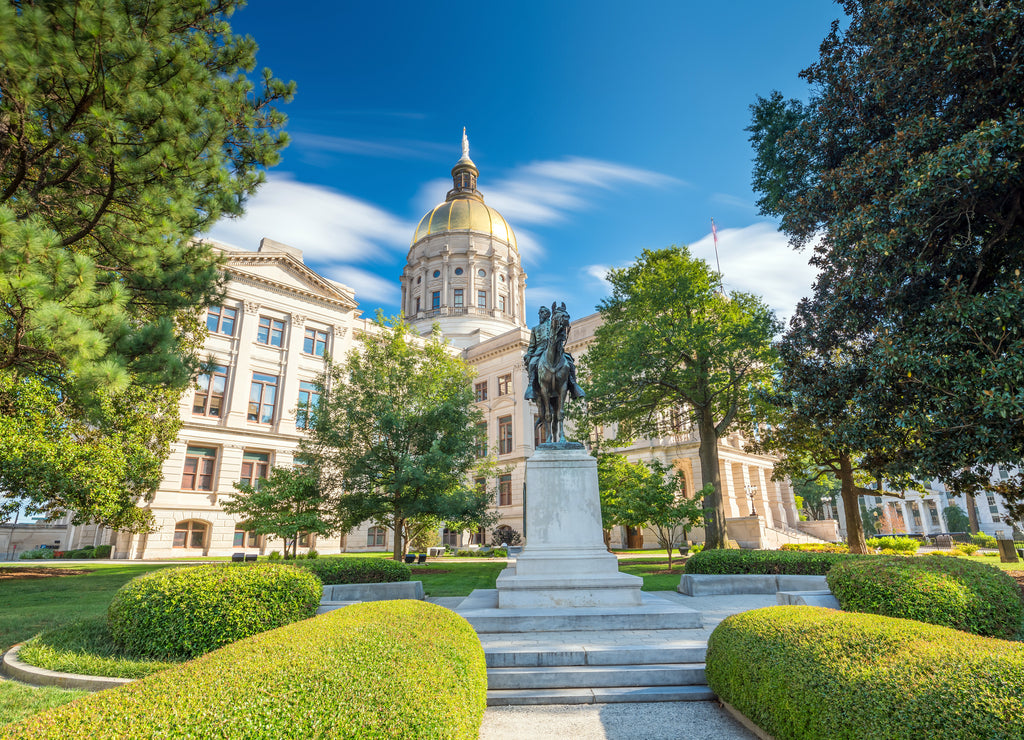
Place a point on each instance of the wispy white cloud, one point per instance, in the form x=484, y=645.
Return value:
x=597, y=273
x=733, y=201
x=368, y=286
x=328, y=226
x=401, y=149
x=757, y=259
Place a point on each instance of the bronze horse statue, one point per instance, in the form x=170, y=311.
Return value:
x=553, y=376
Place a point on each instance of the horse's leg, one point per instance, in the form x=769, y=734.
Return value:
x=561, y=414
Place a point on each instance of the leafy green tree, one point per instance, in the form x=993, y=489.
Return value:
x=617, y=481
x=288, y=504
x=815, y=491
x=671, y=340
x=902, y=170
x=956, y=519
x=394, y=437
x=126, y=128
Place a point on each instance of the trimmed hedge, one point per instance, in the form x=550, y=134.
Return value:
x=332, y=571
x=809, y=673
x=766, y=562
x=185, y=612
x=954, y=592
x=370, y=670
x=815, y=547
x=895, y=544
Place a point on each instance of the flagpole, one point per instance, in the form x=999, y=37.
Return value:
x=714, y=233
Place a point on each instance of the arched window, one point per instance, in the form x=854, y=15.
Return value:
x=376, y=537
x=190, y=534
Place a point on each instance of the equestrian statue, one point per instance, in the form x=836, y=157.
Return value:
x=551, y=370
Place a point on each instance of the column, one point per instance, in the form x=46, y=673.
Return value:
x=288, y=380
x=765, y=506
x=728, y=489
x=240, y=374
x=446, y=298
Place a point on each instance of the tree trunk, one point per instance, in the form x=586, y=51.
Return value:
x=972, y=511
x=714, y=505
x=399, y=539
x=851, y=507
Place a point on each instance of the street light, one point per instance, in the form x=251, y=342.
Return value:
x=751, y=490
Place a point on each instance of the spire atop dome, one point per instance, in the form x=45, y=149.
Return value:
x=464, y=175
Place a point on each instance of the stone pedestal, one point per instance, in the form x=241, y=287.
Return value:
x=565, y=562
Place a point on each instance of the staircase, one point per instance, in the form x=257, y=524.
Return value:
x=590, y=655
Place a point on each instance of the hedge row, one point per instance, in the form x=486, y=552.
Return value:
x=810, y=673
x=331, y=571
x=895, y=544
x=370, y=670
x=953, y=592
x=184, y=612
x=766, y=562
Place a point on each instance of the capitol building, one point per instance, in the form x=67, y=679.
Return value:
x=268, y=339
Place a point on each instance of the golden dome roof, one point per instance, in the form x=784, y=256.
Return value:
x=465, y=214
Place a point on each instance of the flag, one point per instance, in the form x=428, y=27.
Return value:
x=714, y=232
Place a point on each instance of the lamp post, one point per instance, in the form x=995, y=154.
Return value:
x=751, y=490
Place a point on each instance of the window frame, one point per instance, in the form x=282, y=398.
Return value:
x=304, y=406
x=505, y=438
x=207, y=395
x=481, y=299
x=217, y=314
x=204, y=465
x=262, y=380
x=480, y=391
x=317, y=341
x=435, y=300
x=505, y=490
x=481, y=439
x=189, y=531
x=376, y=537
x=273, y=329
x=255, y=468
x=504, y=384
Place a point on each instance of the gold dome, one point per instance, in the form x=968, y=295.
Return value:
x=465, y=214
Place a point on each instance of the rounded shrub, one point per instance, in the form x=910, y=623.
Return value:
x=808, y=672
x=333, y=571
x=185, y=612
x=369, y=670
x=765, y=562
x=894, y=544
x=953, y=592
x=40, y=553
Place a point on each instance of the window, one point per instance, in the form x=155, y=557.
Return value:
x=481, y=439
x=437, y=273
x=209, y=398
x=458, y=270
x=481, y=299
x=270, y=331
x=480, y=483
x=309, y=399
x=190, y=534
x=246, y=538
x=304, y=539
x=200, y=463
x=481, y=272
x=315, y=342
x=255, y=468
x=435, y=300
x=501, y=303
x=933, y=513
x=504, y=435
x=376, y=537
x=220, y=320
x=459, y=303
x=480, y=391
x=262, y=397
x=504, y=490
x=505, y=384
x=451, y=538
x=417, y=304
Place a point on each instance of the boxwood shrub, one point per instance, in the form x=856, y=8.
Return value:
x=184, y=612
x=356, y=570
x=808, y=673
x=765, y=562
x=895, y=544
x=386, y=669
x=954, y=592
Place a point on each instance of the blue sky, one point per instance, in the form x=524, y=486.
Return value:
x=599, y=128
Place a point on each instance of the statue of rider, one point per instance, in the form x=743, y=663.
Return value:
x=539, y=336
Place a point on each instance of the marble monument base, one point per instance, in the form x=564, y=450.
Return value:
x=565, y=562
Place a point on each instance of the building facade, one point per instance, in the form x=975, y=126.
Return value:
x=267, y=342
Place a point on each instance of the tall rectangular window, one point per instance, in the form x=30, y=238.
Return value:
x=504, y=435
x=501, y=303
x=458, y=302
x=504, y=384
x=246, y=538
x=200, y=463
x=481, y=439
x=209, y=398
x=435, y=300
x=417, y=304
x=481, y=299
x=255, y=468
x=262, y=397
x=504, y=490
x=480, y=391
x=221, y=320
x=270, y=331
x=309, y=398
x=314, y=342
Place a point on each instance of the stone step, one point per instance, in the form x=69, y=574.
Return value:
x=692, y=651
x=594, y=677
x=606, y=695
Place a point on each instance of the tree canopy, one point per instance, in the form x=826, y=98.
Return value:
x=394, y=437
x=127, y=127
x=672, y=343
x=903, y=173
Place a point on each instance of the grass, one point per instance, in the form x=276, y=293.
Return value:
x=18, y=701
x=86, y=646
x=457, y=576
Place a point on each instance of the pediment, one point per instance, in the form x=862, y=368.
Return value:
x=285, y=272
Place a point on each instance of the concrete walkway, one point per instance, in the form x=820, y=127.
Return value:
x=694, y=720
